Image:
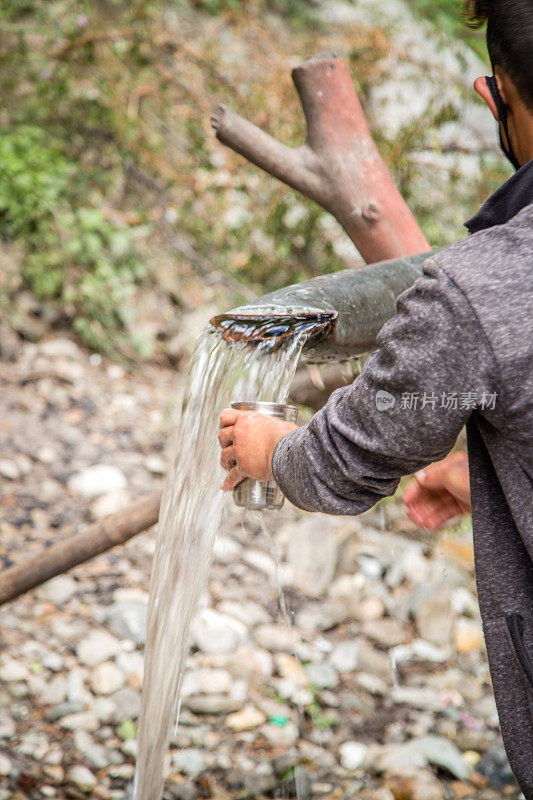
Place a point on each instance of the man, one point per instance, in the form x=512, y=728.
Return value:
x=459, y=352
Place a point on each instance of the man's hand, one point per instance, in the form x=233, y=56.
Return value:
x=439, y=492
x=248, y=440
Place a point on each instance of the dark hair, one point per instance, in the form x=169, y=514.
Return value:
x=509, y=38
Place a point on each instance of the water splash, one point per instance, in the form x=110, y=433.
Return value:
x=190, y=516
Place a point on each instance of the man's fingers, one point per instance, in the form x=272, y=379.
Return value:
x=412, y=492
x=233, y=478
x=433, y=512
x=458, y=483
x=229, y=416
x=227, y=458
x=225, y=436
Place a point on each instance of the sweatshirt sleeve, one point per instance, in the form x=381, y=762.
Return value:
x=405, y=410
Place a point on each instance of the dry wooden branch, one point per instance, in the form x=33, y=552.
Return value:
x=74, y=550
x=339, y=167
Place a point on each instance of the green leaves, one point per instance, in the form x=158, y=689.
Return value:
x=76, y=256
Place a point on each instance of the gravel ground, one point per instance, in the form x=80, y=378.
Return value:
x=379, y=688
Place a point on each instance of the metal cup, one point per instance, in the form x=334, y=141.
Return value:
x=258, y=495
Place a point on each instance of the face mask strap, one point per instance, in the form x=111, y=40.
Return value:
x=501, y=108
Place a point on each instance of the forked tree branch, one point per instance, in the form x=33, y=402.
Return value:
x=339, y=167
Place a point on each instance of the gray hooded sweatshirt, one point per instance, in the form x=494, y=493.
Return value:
x=458, y=352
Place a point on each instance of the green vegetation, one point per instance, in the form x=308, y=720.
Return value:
x=447, y=16
x=73, y=253
x=127, y=209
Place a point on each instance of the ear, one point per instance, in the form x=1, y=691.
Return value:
x=480, y=85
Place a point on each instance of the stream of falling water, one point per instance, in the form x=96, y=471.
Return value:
x=188, y=522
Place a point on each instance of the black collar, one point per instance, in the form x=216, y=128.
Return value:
x=514, y=195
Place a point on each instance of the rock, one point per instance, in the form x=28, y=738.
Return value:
x=76, y=691
x=345, y=656
x=289, y=690
x=372, y=684
x=181, y=789
x=419, y=650
x=156, y=464
x=417, y=697
x=434, y=615
x=81, y=721
x=394, y=757
x=352, y=755
x=464, y=602
x=276, y=637
x=320, y=616
x=106, y=678
x=370, y=609
x=226, y=550
x=494, y=765
x=53, y=662
x=127, y=704
x=109, y=503
x=467, y=636
x=261, y=561
x=6, y=767
x=250, y=717
x=206, y=681
x=7, y=726
x=282, y=735
x=97, y=647
x=59, y=589
x=61, y=347
x=374, y=661
x=132, y=665
x=62, y=709
x=291, y=669
x=53, y=691
x=9, y=470
x=250, y=661
x=213, y=632
x=103, y=708
x=444, y=754
x=47, y=454
x=97, y=480
x=261, y=781
x=322, y=676
x=190, y=761
x=82, y=778
x=247, y=612
x=348, y=590
x=312, y=555
x=415, y=785
x=387, y=632
x=212, y=703
x=128, y=620
x=11, y=670
x=93, y=752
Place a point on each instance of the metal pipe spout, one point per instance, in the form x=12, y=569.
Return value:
x=341, y=314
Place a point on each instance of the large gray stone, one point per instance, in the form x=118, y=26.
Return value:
x=98, y=479
x=128, y=620
x=97, y=647
x=190, y=761
x=312, y=555
x=443, y=753
x=127, y=703
x=82, y=778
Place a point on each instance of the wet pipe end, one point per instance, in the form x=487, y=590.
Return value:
x=255, y=324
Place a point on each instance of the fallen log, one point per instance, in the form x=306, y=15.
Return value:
x=73, y=550
x=339, y=166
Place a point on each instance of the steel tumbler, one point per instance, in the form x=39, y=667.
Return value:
x=254, y=494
